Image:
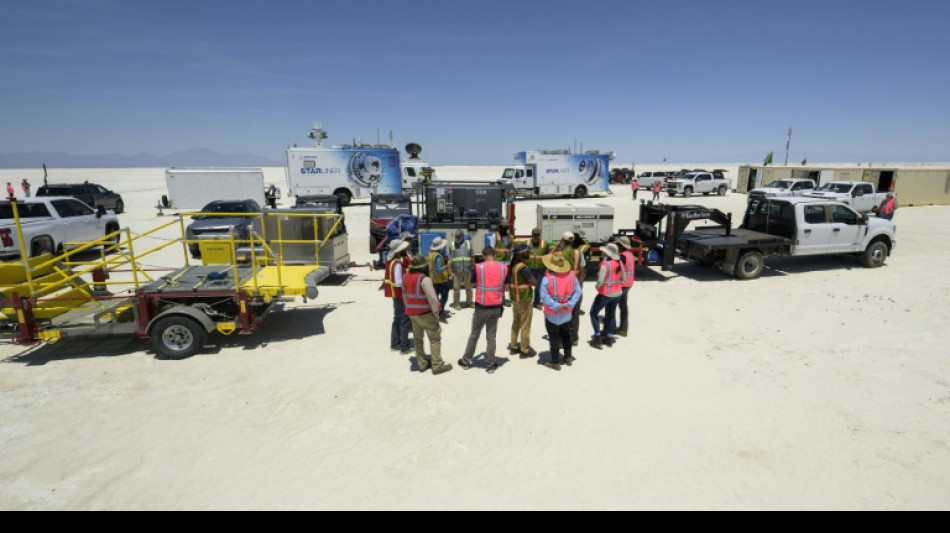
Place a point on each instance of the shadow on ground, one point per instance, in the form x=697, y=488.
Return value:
x=283, y=325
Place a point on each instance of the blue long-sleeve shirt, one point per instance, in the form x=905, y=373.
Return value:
x=438, y=265
x=563, y=315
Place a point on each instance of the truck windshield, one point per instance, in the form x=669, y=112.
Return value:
x=508, y=174
x=781, y=184
x=836, y=188
x=24, y=210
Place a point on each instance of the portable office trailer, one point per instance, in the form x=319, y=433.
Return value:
x=918, y=186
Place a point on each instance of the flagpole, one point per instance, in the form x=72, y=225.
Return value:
x=787, y=144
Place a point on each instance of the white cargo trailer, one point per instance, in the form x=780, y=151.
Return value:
x=596, y=221
x=193, y=188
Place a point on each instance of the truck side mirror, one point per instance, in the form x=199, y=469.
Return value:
x=863, y=220
x=100, y=210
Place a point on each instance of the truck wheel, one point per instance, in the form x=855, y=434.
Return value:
x=875, y=255
x=41, y=246
x=687, y=192
x=580, y=192
x=345, y=197
x=119, y=207
x=722, y=190
x=750, y=265
x=178, y=337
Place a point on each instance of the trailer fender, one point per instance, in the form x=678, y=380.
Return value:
x=189, y=312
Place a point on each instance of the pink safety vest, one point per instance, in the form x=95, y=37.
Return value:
x=612, y=282
x=889, y=205
x=560, y=288
x=490, y=283
x=629, y=265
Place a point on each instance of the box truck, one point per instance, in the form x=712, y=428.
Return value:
x=354, y=171
x=559, y=173
x=194, y=188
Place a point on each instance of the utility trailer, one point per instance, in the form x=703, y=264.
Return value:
x=47, y=298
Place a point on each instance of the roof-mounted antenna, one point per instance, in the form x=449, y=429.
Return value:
x=317, y=134
x=413, y=149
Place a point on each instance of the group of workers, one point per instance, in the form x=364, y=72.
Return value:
x=523, y=275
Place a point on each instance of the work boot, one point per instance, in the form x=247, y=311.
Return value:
x=568, y=360
x=441, y=370
x=597, y=342
x=621, y=333
x=422, y=369
x=609, y=341
x=553, y=365
x=527, y=355
x=465, y=364
x=514, y=350
x=491, y=368
x=457, y=307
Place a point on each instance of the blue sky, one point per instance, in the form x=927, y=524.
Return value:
x=475, y=82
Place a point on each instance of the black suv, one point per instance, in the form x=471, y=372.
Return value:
x=90, y=193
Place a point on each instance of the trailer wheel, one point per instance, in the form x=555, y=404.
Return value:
x=687, y=192
x=875, y=255
x=345, y=196
x=722, y=190
x=580, y=192
x=178, y=337
x=750, y=265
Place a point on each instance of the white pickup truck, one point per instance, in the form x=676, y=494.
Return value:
x=699, y=182
x=860, y=195
x=49, y=222
x=782, y=189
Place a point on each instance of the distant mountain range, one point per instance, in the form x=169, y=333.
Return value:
x=197, y=157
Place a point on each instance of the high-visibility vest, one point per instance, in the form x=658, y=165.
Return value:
x=611, y=286
x=629, y=265
x=461, y=262
x=490, y=283
x=560, y=289
x=390, y=290
x=520, y=289
x=414, y=296
x=502, y=250
x=889, y=205
x=437, y=278
x=535, y=253
x=573, y=258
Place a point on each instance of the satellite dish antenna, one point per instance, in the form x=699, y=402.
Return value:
x=413, y=150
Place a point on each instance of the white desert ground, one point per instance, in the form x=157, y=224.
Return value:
x=821, y=385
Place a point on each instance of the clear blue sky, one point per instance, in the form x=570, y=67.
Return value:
x=474, y=82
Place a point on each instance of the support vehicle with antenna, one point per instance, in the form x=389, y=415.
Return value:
x=559, y=173
x=354, y=171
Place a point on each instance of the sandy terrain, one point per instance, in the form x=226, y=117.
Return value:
x=821, y=385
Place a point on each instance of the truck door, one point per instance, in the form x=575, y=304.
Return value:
x=845, y=230
x=77, y=220
x=814, y=232
x=862, y=197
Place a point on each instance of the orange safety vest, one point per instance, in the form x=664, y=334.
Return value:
x=390, y=290
x=416, y=301
x=490, y=283
x=612, y=282
x=517, y=289
x=560, y=288
x=628, y=267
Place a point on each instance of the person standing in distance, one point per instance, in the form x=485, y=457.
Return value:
x=490, y=287
x=887, y=207
x=462, y=259
x=635, y=186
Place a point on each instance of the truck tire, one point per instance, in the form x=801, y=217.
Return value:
x=875, y=255
x=687, y=192
x=345, y=196
x=750, y=265
x=43, y=245
x=119, y=207
x=580, y=192
x=722, y=190
x=178, y=337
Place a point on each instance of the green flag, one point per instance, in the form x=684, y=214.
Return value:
x=768, y=160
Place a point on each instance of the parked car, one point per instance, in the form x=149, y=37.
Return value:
x=51, y=222
x=858, y=194
x=208, y=226
x=647, y=179
x=782, y=188
x=89, y=193
x=699, y=182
